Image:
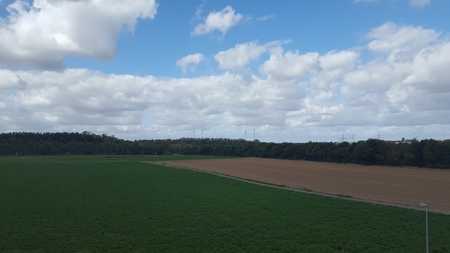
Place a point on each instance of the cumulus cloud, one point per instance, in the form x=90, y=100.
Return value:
x=339, y=59
x=220, y=21
x=289, y=65
x=400, y=40
x=295, y=96
x=38, y=100
x=189, y=61
x=42, y=33
x=242, y=54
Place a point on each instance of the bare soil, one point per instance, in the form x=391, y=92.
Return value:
x=383, y=184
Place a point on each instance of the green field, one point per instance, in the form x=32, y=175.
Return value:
x=119, y=204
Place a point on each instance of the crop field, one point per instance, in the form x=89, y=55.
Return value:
x=406, y=187
x=88, y=204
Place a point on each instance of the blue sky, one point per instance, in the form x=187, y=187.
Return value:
x=291, y=71
x=320, y=26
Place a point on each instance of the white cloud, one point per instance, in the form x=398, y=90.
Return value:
x=221, y=21
x=242, y=54
x=189, y=61
x=400, y=42
x=296, y=96
x=286, y=65
x=42, y=33
x=40, y=100
x=333, y=60
x=419, y=3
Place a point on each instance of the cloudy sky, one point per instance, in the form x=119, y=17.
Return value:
x=277, y=71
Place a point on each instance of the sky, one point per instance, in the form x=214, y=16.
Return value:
x=283, y=71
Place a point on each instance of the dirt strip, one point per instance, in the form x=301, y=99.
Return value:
x=397, y=186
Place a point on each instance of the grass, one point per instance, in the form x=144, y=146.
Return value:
x=119, y=204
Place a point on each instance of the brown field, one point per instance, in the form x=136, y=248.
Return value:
x=382, y=184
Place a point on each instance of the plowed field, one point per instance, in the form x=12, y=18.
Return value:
x=391, y=185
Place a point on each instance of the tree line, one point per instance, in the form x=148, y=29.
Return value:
x=422, y=153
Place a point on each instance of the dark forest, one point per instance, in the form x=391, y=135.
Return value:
x=421, y=153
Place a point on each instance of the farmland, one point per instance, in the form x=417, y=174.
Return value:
x=397, y=186
x=121, y=204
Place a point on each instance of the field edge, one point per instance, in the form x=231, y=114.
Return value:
x=171, y=165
